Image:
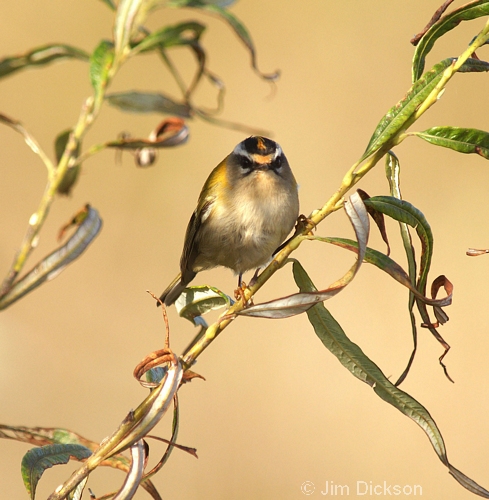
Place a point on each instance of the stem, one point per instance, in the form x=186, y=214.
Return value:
x=37, y=219
x=352, y=177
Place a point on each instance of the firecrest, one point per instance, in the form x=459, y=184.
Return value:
x=247, y=207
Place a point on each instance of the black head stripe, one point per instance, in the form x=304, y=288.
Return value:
x=260, y=145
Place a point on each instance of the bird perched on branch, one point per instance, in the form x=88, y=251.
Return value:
x=246, y=209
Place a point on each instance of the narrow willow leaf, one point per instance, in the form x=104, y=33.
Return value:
x=185, y=33
x=243, y=34
x=393, y=173
x=72, y=173
x=57, y=261
x=133, y=478
x=301, y=302
x=354, y=359
x=41, y=436
x=378, y=218
x=40, y=56
x=386, y=264
x=147, y=102
x=467, y=12
x=474, y=66
x=173, y=439
x=129, y=17
x=393, y=122
x=100, y=63
x=37, y=460
x=462, y=140
x=405, y=212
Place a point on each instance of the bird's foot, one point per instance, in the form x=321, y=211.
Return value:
x=239, y=294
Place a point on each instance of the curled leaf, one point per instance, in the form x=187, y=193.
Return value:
x=436, y=16
x=155, y=359
x=243, y=34
x=389, y=266
x=57, y=261
x=467, y=12
x=378, y=218
x=37, y=460
x=186, y=33
x=160, y=400
x=474, y=252
x=196, y=301
x=169, y=133
x=406, y=213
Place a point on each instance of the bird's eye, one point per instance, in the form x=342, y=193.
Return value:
x=277, y=163
x=245, y=163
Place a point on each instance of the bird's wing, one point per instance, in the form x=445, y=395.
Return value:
x=191, y=246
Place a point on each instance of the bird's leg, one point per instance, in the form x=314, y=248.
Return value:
x=255, y=277
x=239, y=292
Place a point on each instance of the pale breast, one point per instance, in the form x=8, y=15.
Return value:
x=242, y=234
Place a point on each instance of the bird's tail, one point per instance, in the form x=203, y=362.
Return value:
x=174, y=289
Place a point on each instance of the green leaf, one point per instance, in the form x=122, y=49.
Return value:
x=129, y=17
x=474, y=66
x=71, y=176
x=395, y=119
x=57, y=261
x=467, y=12
x=37, y=460
x=217, y=7
x=386, y=264
x=40, y=56
x=186, y=33
x=462, y=140
x=100, y=63
x=405, y=212
x=147, y=102
x=393, y=173
x=352, y=357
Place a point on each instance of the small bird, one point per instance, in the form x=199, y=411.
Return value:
x=246, y=209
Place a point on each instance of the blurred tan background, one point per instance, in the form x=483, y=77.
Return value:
x=277, y=409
